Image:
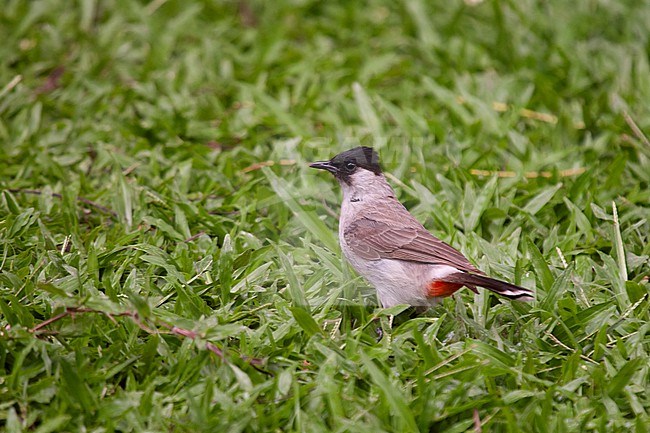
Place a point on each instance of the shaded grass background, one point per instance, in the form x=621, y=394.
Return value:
x=160, y=114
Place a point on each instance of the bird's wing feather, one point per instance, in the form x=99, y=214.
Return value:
x=401, y=237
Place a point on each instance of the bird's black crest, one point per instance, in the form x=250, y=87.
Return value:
x=363, y=156
x=345, y=164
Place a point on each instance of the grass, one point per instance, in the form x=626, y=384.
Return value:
x=169, y=263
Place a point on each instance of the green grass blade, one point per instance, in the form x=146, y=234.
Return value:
x=154, y=197
x=294, y=287
x=306, y=321
x=477, y=206
x=535, y=204
x=402, y=412
x=624, y=375
x=367, y=112
x=618, y=245
x=542, y=269
x=309, y=219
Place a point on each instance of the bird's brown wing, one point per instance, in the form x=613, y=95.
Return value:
x=403, y=239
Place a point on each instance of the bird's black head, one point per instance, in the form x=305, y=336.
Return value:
x=345, y=164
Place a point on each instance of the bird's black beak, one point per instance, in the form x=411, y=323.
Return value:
x=324, y=165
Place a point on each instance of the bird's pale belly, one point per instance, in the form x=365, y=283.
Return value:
x=399, y=282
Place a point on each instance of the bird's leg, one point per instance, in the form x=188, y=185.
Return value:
x=380, y=330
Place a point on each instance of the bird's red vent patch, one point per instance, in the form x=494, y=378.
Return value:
x=440, y=289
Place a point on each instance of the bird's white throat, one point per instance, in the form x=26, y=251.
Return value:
x=364, y=185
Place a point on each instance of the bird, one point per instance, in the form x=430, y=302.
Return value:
x=390, y=248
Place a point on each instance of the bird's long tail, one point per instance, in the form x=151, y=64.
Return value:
x=499, y=287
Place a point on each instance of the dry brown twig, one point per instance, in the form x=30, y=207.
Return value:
x=269, y=163
x=567, y=348
x=635, y=129
x=194, y=237
x=502, y=107
x=182, y=332
x=477, y=422
x=528, y=174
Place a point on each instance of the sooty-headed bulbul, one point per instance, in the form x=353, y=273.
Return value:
x=390, y=248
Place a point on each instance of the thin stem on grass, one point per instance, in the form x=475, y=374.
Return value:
x=635, y=129
x=84, y=200
x=176, y=330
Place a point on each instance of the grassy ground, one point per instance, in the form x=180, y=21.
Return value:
x=169, y=263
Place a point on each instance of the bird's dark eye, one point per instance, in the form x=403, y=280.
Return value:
x=350, y=165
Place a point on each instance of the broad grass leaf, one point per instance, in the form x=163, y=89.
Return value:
x=276, y=109
x=10, y=201
x=285, y=379
x=581, y=221
x=294, y=288
x=420, y=16
x=600, y=213
x=496, y=357
x=180, y=222
x=53, y=424
x=52, y=289
x=611, y=271
x=225, y=267
x=395, y=398
x=164, y=227
x=243, y=379
x=125, y=202
x=331, y=262
x=535, y=204
x=542, y=270
x=618, y=245
x=516, y=395
x=22, y=222
x=78, y=392
x=391, y=311
x=367, y=112
x=474, y=207
x=16, y=310
x=253, y=277
x=448, y=99
x=624, y=375
x=461, y=426
x=556, y=291
x=309, y=219
x=13, y=421
x=306, y=321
